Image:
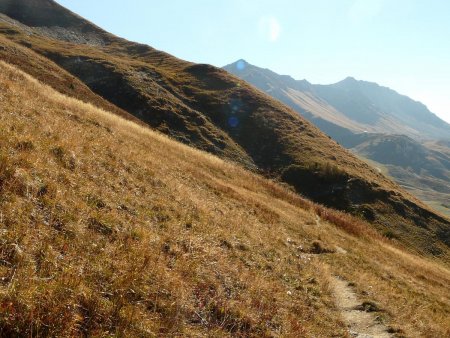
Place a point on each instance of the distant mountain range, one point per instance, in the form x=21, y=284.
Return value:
x=398, y=135
x=357, y=106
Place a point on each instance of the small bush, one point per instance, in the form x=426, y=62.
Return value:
x=368, y=307
x=328, y=170
x=66, y=160
x=390, y=234
x=25, y=146
x=100, y=227
x=317, y=247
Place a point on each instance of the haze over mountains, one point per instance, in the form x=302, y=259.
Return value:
x=394, y=131
x=358, y=106
x=110, y=228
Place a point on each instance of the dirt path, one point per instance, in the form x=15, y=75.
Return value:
x=361, y=324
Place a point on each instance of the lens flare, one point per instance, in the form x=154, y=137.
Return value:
x=235, y=105
x=240, y=65
x=233, y=121
x=270, y=28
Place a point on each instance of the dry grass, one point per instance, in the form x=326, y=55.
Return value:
x=193, y=103
x=49, y=73
x=110, y=229
x=412, y=292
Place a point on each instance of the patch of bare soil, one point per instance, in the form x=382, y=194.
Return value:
x=360, y=317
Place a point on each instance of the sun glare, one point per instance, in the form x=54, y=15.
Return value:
x=270, y=28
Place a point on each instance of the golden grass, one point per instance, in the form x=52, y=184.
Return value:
x=111, y=229
x=194, y=103
x=49, y=73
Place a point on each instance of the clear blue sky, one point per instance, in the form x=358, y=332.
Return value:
x=402, y=44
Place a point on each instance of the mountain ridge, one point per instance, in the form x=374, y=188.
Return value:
x=339, y=95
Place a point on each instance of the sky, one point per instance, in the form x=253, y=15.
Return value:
x=401, y=44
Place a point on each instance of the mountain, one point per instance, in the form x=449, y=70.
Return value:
x=369, y=120
x=402, y=151
x=380, y=109
x=111, y=229
x=207, y=108
x=421, y=169
x=357, y=106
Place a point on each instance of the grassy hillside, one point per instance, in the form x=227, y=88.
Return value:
x=109, y=228
x=102, y=61
x=51, y=74
x=205, y=107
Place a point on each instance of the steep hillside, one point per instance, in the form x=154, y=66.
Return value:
x=51, y=19
x=51, y=74
x=110, y=229
x=297, y=94
x=126, y=82
x=206, y=107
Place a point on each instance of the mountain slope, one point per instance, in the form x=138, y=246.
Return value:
x=400, y=150
x=129, y=84
x=358, y=106
x=297, y=94
x=110, y=229
x=349, y=109
x=422, y=169
x=206, y=107
x=51, y=74
x=387, y=110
